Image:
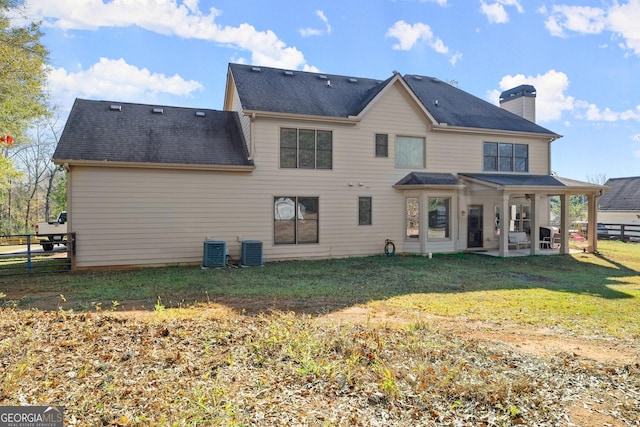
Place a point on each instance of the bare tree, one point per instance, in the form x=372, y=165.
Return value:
x=33, y=159
x=597, y=178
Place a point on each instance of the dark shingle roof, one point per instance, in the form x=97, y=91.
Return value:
x=424, y=178
x=455, y=107
x=299, y=92
x=134, y=133
x=624, y=195
x=296, y=92
x=525, y=180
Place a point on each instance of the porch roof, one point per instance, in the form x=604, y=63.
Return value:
x=535, y=183
x=425, y=179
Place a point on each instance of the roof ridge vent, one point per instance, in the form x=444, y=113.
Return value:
x=256, y=69
x=417, y=77
x=158, y=110
x=288, y=73
x=353, y=80
x=322, y=76
x=115, y=107
x=200, y=114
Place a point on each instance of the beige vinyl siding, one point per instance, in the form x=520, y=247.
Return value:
x=462, y=152
x=129, y=216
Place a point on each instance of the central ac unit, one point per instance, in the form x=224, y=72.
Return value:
x=215, y=253
x=251, y=255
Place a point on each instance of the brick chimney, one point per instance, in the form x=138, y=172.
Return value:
x=520, y=100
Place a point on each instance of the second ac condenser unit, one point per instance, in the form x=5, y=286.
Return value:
x=251, y=255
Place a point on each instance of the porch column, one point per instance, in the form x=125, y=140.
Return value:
x=534, y=237
x=564, y=223
x=592, y=224
x=504, y=226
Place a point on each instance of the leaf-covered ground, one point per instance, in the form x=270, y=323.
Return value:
x=212, y=366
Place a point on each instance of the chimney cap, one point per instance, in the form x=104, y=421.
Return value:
x=517, y=92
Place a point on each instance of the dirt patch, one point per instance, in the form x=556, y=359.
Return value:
x=541, y=342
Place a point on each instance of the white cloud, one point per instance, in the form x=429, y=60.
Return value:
x=621, y=19
x=591, y=112
x=551, y=99
x=307, y=32
x=115, y=79
x=166, y=17
x=409, y=35
x=496, y=12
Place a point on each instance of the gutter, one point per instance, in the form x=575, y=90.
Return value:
x=173, y=166
x=444, y=127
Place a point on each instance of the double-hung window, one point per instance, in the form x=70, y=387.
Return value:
x=364, y=211
x=505, y=157
x=306, y=148
x=295, y=220
x=382, y=145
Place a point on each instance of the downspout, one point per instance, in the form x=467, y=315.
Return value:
x=252, y=146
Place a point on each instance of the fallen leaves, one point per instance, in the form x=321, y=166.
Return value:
x=284, y=370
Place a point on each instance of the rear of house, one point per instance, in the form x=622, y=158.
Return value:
x=312, y=165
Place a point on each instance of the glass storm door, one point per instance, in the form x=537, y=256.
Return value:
x=474, y=227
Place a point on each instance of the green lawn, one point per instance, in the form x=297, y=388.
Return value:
x=582, y=293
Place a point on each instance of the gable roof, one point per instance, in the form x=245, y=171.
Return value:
x=274, y=90
x=298, y=92
x=455, y=107
x=99, y=131
x=624, y=195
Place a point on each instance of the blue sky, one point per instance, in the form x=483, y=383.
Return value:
x=583, y=56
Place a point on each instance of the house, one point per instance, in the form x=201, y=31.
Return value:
x=312, y=165
x=621, y=204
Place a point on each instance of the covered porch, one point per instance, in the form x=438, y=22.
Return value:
x=531, y=193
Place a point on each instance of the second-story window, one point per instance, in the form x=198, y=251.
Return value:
x=306, y=148
x=409, y=152
x=505, y=157
x=382, y=145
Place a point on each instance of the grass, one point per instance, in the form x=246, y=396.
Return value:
x=584, y=293
x=181, y=363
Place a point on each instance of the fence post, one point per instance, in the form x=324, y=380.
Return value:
x=28, y=253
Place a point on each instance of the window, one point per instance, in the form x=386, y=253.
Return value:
x=306, y=148
x=438, y=218
x=520, y=218
x=364, y=210
x=412, y=217
x=382, y=145
x=505, y=157
x=409, y=152
x=295, y=220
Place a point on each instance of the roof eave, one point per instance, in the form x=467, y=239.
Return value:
x=175, y=166
x=444, y=127
x=430, y=186
x=306, y=117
